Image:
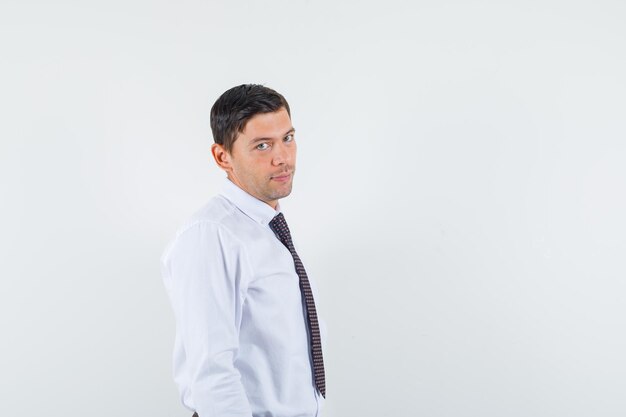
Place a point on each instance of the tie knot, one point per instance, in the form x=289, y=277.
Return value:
x=279, y=225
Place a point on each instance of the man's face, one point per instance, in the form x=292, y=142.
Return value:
x=263, y=157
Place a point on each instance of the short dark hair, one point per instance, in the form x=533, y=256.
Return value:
x=236, y=106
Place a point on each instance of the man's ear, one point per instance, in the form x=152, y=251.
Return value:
x=222, y=157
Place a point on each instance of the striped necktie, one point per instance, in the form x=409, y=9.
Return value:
x=280, y=228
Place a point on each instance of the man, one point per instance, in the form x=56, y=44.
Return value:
x=247, y=333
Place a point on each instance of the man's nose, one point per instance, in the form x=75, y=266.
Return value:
x=281, y=155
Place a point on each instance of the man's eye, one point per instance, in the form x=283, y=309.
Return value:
x=262, y=146
x=288, y=138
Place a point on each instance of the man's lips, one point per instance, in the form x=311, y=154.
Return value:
x=282, y=176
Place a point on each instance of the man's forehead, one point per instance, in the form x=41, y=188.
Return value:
x=268, y=124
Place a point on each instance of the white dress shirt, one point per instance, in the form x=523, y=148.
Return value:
x=241, y=346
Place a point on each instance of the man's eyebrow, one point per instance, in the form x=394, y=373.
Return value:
x=255, y=140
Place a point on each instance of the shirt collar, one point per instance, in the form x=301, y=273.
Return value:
x=254, y=208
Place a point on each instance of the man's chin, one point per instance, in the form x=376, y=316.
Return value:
x=278, y=194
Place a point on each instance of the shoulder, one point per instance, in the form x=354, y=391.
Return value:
x=210, y=223
x=216, y=211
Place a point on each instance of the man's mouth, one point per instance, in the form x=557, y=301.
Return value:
x=284, y=176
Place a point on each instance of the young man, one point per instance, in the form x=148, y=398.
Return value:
x=247, y=333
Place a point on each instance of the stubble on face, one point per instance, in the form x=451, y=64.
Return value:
x=281, y=187
x=265, y=187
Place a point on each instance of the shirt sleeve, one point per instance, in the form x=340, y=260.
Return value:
x=203, y=274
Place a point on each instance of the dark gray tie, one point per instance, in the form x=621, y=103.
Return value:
x=280, y=228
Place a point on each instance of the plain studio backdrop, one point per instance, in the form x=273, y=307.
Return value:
x=459, y=199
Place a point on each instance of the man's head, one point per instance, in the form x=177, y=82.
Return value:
x=254, y=141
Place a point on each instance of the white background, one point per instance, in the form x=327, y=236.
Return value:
x=459, y=197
